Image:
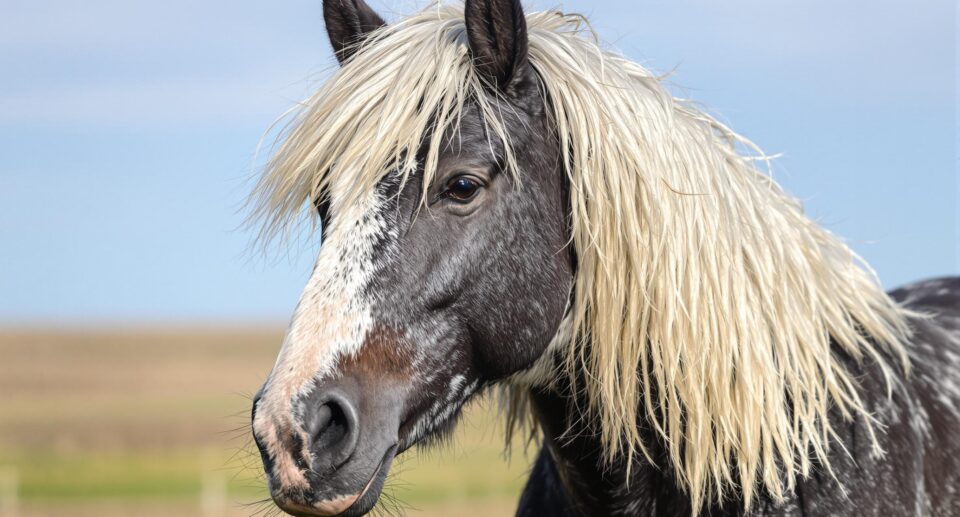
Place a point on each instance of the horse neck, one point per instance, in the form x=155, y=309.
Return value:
x=593, y=484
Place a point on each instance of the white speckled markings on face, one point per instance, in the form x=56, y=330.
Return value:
x=330, y=321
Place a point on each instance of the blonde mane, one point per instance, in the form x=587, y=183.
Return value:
x=706, y=303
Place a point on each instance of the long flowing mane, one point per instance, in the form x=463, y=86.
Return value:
x=706, y=303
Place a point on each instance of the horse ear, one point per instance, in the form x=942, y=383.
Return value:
x=348, y=22
x=497, y=34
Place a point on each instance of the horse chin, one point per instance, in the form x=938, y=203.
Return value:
x=371, y=492
x=354, y=505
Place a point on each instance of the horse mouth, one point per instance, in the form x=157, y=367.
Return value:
x=370, y=494
x=354, y=505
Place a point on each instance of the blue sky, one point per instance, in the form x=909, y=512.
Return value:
x=128, y=132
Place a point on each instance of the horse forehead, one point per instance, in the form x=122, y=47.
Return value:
x=471, y=134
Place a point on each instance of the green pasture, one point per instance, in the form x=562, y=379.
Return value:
x=153, y=423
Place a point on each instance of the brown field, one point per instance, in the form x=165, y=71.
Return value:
x=153, y=422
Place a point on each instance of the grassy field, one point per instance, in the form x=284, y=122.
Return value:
x=154, y=422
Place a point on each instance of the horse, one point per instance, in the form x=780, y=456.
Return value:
x=506, y=206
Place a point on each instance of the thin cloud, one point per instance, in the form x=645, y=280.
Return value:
x=152, y=103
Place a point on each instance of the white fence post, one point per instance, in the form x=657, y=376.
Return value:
x=9, y=488
x=213, y=494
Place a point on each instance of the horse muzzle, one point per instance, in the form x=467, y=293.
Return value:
x=333, y=454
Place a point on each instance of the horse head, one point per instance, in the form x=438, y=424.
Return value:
x=429, y=285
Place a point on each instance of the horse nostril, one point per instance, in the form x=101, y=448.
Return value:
x=328, y=426
x=333, y=431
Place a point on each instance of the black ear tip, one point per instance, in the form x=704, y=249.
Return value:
x=497, y=34
x=348, y=22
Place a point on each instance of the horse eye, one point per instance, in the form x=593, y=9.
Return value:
x=462, y=188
